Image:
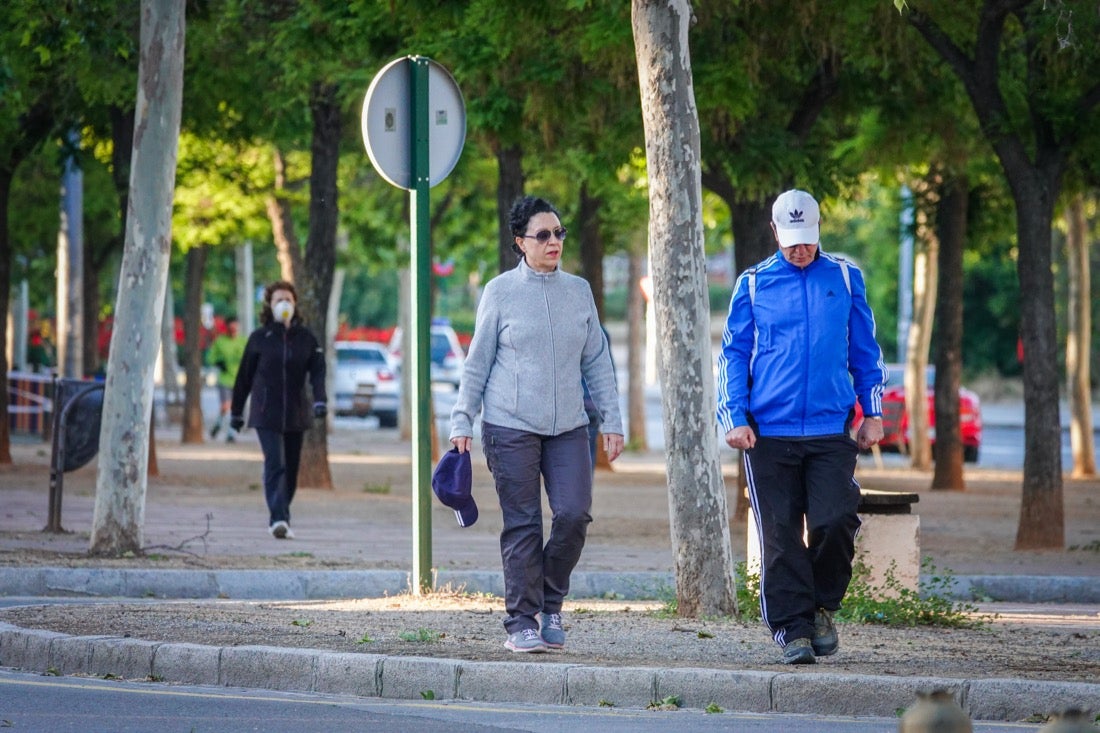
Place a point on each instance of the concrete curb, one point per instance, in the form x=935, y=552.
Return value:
x=331, y=584
x=550, y=683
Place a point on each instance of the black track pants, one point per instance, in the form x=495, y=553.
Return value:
x=796, y=487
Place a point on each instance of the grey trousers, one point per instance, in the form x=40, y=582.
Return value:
x=536, y=577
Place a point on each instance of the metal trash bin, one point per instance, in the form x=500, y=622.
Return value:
x=77, y=417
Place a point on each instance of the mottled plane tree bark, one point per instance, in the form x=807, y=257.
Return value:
x=698, y=514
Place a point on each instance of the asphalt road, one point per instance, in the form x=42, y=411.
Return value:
x=39, y=704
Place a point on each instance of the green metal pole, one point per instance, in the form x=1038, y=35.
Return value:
x=420, y=322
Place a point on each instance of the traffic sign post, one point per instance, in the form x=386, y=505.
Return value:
x=414, y=127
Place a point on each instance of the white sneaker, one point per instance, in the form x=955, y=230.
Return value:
x=281, y=531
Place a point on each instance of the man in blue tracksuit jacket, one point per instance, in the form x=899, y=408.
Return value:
x=798, y=350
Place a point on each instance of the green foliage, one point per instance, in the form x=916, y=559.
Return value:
x=713, y=708
x=377, y=488
x=671, y=702
x=220, y=192
x=747, y=589
x=573, y=111
x=891, y=603
x=302, y=622
x=671, y=604
x=422, y=636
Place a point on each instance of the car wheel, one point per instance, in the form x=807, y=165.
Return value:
x=387, y=419
x=970, y=453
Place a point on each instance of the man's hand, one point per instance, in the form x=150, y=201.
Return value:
x=741, y=437
x=869, y=433
x=236, y=422
x=613, y=445
x=462, y=442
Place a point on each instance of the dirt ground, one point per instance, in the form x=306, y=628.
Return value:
x=205, y=510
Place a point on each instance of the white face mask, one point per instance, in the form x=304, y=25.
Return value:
x=283, y=311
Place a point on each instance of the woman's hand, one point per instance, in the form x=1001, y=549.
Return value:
x=462, y=442
x=612, y=445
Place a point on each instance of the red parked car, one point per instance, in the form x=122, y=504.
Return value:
x=895, y=421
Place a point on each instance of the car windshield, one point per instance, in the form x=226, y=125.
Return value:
x=359, y=356
x=897, y=375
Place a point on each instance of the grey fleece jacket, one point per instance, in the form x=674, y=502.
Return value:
x=536, y=335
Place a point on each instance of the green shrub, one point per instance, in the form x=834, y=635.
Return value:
x=890, y=603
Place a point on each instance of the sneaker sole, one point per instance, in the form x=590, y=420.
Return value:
x=521, y=650
x=803, y=657
x=822, y=651
x=548, y=645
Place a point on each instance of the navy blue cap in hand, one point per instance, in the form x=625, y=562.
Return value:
x=451, y=482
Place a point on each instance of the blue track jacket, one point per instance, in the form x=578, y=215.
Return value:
x=797, y=353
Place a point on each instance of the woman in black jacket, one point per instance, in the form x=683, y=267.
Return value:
x=280, y=354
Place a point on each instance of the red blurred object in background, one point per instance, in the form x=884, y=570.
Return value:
x=895, y=419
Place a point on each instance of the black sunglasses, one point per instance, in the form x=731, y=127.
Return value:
x=544, y=236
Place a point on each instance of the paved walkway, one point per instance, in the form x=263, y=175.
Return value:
x=357, y=541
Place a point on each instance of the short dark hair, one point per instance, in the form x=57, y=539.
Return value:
x=522, y=211
x=266, y=316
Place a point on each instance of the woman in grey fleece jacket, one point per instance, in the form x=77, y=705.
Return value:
x=537, y=335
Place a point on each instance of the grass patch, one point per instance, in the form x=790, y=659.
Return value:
x=890, y=604
x=672, y=702
x=381, y=488
x=420, y=636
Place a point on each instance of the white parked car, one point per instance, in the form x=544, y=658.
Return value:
x=447, y=355
x=366, y=382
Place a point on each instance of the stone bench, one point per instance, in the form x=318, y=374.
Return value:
x=890, y=533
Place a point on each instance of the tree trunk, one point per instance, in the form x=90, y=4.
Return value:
x=192, y=428
x=699, y=520
x=98, y=255
x=952, y=223
x=1079, y=341
x=169, y=356
x=89, y=326
x=121, y=477
x=753, y=242
x=925, y=278
x=153, y=468
x=750, y=222
x=320, y=257
x=5, y=299
x=510, y=184
x=591, y=245
x=287, y=248
x=635, y=354
x=34, y=126
x=1042, y=510
x=1033, y=169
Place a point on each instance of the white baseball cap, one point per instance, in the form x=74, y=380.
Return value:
x=796, y=218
